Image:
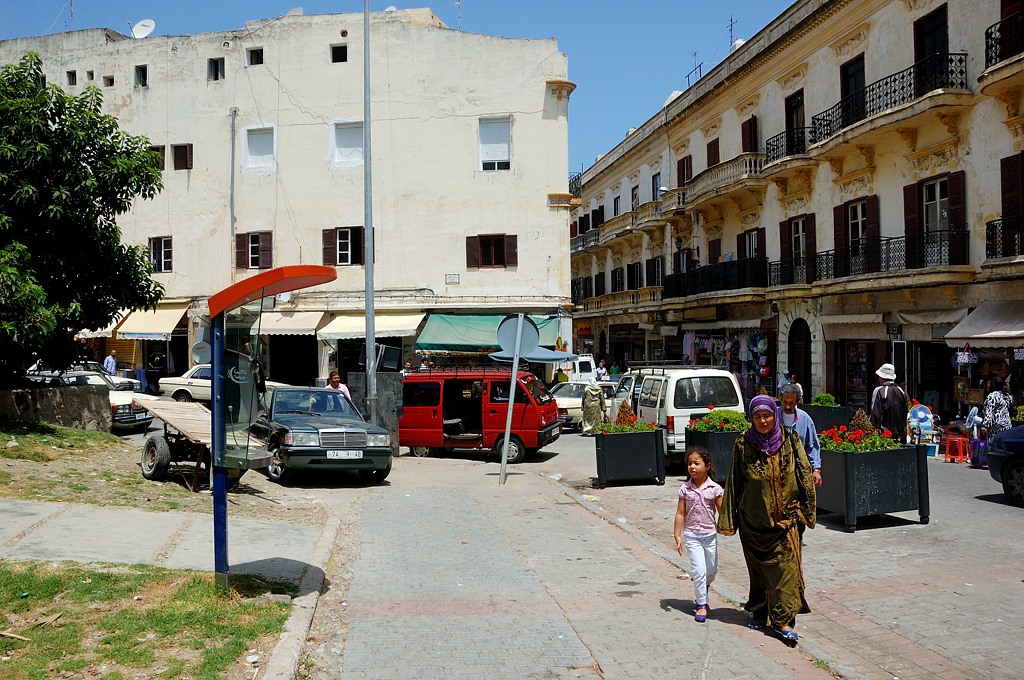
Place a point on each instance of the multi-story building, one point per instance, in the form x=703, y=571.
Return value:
x=839, y=192
x=261, y=134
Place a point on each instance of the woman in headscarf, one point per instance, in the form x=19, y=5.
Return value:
x=593, y=407
x=768, y=493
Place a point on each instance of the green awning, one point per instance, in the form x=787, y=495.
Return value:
x=474, y=333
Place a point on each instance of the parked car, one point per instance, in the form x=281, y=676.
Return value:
x=125, y=410
x=569, y=397
x=1006, y=462
x=195, y=384
x=318, y=428
x=120, y=383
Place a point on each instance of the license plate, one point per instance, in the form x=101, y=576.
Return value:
x=141, y=416
x=336, y=455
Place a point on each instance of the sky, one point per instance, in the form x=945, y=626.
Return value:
x=625, y=56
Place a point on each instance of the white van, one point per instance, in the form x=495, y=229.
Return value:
x=674, y=397
x=582, y=369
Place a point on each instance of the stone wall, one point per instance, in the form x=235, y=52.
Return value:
x=83, y=407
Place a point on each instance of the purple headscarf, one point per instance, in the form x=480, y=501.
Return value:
x=768, y=443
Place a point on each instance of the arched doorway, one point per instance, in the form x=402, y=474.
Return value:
x=798, y=353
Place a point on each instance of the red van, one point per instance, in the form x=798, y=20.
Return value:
x=466, y=408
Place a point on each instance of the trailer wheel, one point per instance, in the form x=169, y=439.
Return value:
x=156, y=457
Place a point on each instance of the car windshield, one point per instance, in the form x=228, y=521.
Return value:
x=536, y=389
x=568, y=390
x=320, y=402
x=699, y=392
x=93, y=379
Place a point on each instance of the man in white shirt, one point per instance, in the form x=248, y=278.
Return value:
x=602, y=372
x=334, y=382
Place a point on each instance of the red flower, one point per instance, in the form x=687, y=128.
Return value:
x=842, y=428
x=711, y=407
x=887, y=433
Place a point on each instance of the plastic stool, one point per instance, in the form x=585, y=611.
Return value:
x=958, y=450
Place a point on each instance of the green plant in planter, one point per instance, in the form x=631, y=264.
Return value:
x=1020, y=413
x=625, y=421
x=720, y=420
x=824, y=399
x=859, y=436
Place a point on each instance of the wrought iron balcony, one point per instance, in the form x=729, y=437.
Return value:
x=714, y=278
x=1004, y=39
x=744, y=166
x=938, y=71
x=789, y=143
x=1004, y=238
x=793, y=270
x=576, y=184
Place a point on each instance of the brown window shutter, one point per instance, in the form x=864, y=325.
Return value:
x=330, y=246
x=651, y=276
x=741, y=242
x=688, y=167
x=785, y=242
x=600, y=215
x=242, y=251
x=713, y=157
x=572, y=230
x=599, y=284
x=1010, y=185
x=841, y=260
x=762, y=246
x=957, y=209
x=873, y=252
x=511, y=250
x=811, y=248
x=680, y=172
x=677, y=262
x=266, y=249
x=188, y=157
x=472, y=251
x=359, y=254
x=748, y=135
x=913, y=230
x=714, y=251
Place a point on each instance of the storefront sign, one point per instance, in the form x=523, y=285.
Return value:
x=584, y=329
x=966, y=356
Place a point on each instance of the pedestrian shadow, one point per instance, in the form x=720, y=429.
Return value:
x=725, y=614
x=306, y=577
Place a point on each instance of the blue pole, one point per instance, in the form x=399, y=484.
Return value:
x=217, y=454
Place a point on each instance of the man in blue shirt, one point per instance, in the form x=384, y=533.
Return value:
x=110, y=363
x=797, y=420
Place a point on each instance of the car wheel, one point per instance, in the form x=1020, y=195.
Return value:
x=182, y=396
x=277, y=471
x=516, y=450
x=420, y=451
x=1013, y=481
x=156, y=457
x=376, y=476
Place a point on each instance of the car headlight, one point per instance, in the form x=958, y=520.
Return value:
x=302, y=439
x=378, y=440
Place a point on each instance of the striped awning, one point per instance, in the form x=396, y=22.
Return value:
x=153, y=325
x=288, y=323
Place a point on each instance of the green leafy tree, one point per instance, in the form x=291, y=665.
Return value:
x=66, y=172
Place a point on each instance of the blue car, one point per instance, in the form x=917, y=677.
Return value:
x=1006, y=462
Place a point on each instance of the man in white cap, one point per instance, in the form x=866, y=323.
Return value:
x=889, y=404
x=783, y=381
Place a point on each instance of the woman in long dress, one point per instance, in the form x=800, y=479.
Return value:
x=770, y=492
x=593, y=407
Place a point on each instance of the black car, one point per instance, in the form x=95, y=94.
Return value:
x=320, y=429
x=1006, y=462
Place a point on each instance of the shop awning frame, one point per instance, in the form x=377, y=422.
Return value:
x=155, y=324
x=289, y=323
x=992, y=324
x=108, y=330
x=474, y=333
x=385, y=325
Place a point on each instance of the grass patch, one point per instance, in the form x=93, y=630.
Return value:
x=131, y=620
x=40, y=442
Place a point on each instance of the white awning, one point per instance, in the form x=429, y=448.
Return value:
x=753, y=322
x=108, y=330
x=836, y=319
x=153, y=325
x=288, y=323
x=996, y=323
x=935, y=316
x=385, y=325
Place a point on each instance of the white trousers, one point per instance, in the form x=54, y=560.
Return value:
x=703, y=554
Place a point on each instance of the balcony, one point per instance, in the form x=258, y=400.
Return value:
x=786, y=144
x=937, y=72
x=1004, y=40
x=649, y=215
x=717, y=278
x=583, y=241
x=720, y=179
x=1004, y=238
x=792, y=271
x=673, y=201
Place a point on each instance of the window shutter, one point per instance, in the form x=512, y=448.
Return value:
x=358, y=245
x=811, y=248
x=912, y=227
x=599, y=284
x=511, y=250
x=600, y=215
x=748, y=135
x=713, y=158
x=242, y=251
x=762, y=246
x=266, y=249
x=472, y=251
x=330, y=245
x=957, y=218
x=786, y=251
x=680, y=172
x=840, y=260
x=572, y=229
x=677, y=262
x=688, y=167
x=741, y=242
x=714, y=251
x=651, y=274
x=188, y=156
x=873, y=252
x=1010, y=179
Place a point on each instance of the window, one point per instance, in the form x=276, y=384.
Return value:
x=347, y=145
x=415, y=393
x=935, y=220
x=684, y=170
x=588, y=288
x=634, y=276
x=616, y=205
x=748, y=135
x=750, y=244
x=656, y=186
x=494, y=144
x=634, y=197
x=260, y=149
x=254, y=56
x=936, y=205
x=798, y=248
x=618, y=280
x=713, y=154
x=343, y=246
x=161, y=161
x=851, y=89
x=108, y=81
x=215, y=68
x=160, y=253
x=254, y=250
x=339, y=54
x=857, y=225
x=181, y=156
x=41, y=82
x=142, y=76
x=798, y=239
x=654, y=269
x=90, y=76
x=492, y=250
x=72, y=78
x=599, y=283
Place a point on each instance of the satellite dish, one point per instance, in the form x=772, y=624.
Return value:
x=143, y=28
x=390, y=8
x=294, y=12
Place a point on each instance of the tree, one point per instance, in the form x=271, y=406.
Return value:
x=66, y=172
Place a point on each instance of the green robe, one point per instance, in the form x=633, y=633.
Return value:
x=766, y=497
x=593, y=409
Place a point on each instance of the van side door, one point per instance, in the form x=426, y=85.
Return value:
x=651, y=391
x=496, y=410
x=421, y=423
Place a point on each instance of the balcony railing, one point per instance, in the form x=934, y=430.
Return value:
x=1004, y=238
x=648, y=211
x=617, y=224
x=938, y=71
x=744, y=166
x=793, y=270
x=673, y=199
x=789, y=143
x=1004, y=39
x=721, y=277
x=584, y=241
x=576, y=184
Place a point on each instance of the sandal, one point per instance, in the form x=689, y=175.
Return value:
x=701, y=618
x=788, y=635
x=754, y=624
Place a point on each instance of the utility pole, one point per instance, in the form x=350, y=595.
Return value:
x=371, y=334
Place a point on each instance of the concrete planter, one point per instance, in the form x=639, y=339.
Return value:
x=826, y=417
x=630, y=456
x=868, y=483
x=719, y=444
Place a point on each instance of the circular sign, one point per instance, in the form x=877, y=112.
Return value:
x=529, y=338
x=202, y=352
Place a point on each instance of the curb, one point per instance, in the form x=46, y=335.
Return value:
x=284, y=658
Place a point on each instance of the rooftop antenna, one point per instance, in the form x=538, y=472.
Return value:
x=143, y=28
x=458, y=13
x=732, y=23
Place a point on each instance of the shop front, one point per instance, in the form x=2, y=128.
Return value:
x=155, y=341
x=987, y=344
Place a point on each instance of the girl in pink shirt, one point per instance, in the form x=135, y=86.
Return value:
x=700, y=499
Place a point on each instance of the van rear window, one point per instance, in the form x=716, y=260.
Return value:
x=701, y=392
x=649, y=392
x=421, y=393
x=585, y=366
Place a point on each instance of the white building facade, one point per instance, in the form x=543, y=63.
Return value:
x=261, y=131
